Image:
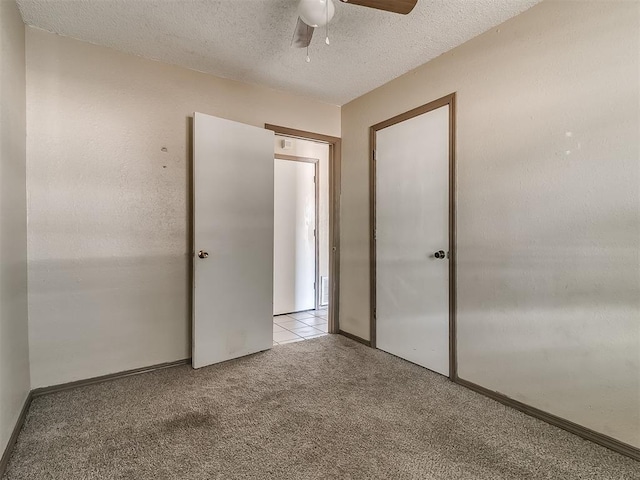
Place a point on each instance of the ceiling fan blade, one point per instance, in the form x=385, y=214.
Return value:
x=395, y=6
x=302, y=35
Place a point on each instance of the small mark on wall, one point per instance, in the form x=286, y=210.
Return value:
x=164, y=149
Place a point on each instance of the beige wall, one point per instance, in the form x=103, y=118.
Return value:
x=548, y=208
x=108, y=211
x=14, y=348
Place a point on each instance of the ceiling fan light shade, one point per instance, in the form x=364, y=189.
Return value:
x=314, y=12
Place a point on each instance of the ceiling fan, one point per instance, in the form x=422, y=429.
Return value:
x=318, y=13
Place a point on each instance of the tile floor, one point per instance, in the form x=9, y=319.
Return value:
x=295, y=327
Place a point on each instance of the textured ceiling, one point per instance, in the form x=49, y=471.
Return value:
x=249, y=40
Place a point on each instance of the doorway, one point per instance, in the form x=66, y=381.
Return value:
x=232, y=234
x=303, y=152
x=301, y=250
x=413, y=236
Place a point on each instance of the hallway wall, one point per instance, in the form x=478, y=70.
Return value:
x=310, y=149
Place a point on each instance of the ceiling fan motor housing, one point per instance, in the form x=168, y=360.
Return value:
x=316, y=13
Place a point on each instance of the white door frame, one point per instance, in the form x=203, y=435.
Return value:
x=315, y=161
x=441, y=102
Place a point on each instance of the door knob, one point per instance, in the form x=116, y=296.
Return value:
x=440, y=254
x=202, y=254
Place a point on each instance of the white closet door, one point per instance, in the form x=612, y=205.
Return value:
x=294, y=237
x=412, y=224
x=233, y=240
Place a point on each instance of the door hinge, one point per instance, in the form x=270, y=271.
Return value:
x=375, y=234
x=373, y=155
x=314, y=179
x=314, y=232
x=374, y=313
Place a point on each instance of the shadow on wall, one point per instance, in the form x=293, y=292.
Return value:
x=571, y=317
x=102, y=315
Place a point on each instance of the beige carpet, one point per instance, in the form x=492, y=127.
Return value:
x=326, y=408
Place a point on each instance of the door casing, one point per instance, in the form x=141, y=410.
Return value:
x=441, y=102
x=335, y=155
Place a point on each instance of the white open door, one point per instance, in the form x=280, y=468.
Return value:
x=294, y=253
x=233, y=240
x=412, y=238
